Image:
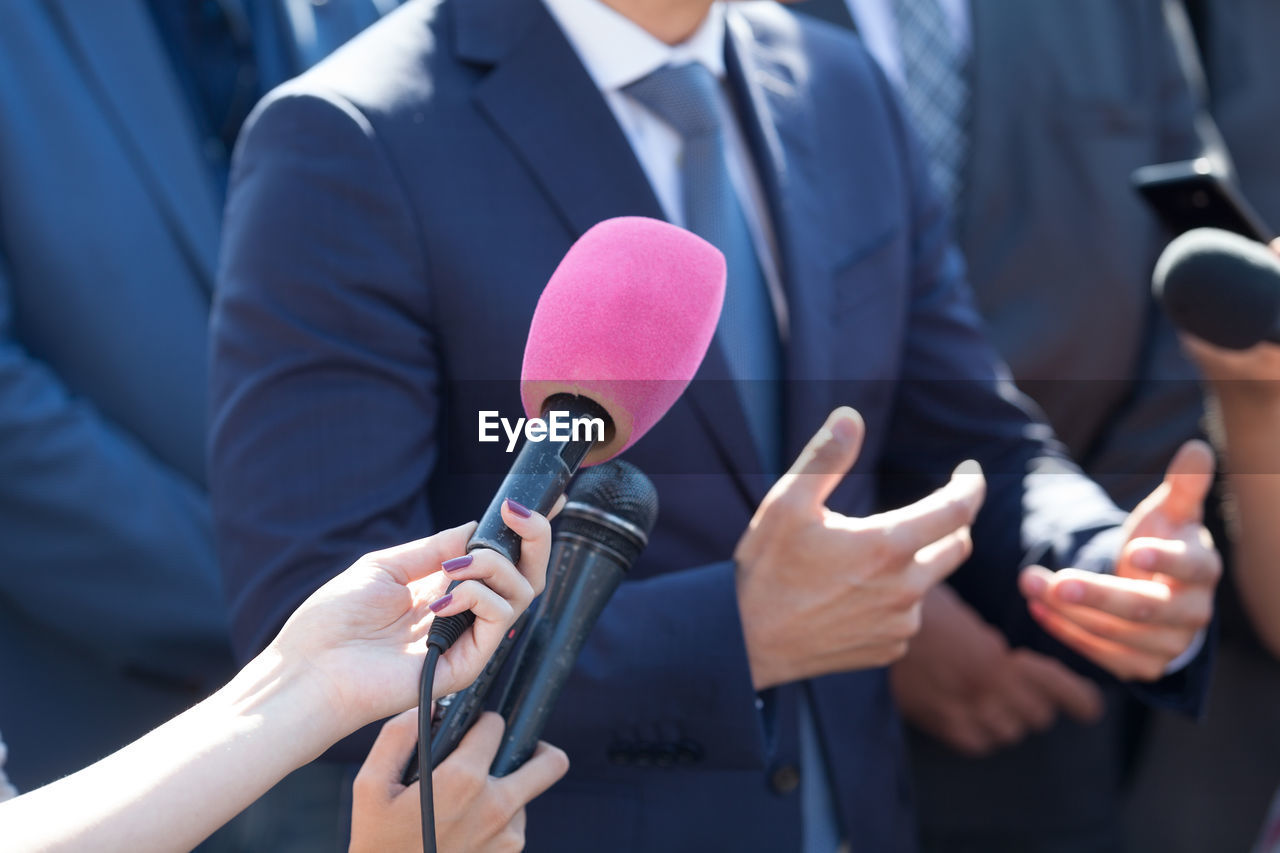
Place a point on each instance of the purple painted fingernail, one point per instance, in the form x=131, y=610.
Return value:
x=441, y=603
x=457, y=563
x=519, y=509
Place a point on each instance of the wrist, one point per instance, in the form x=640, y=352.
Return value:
x=1242, y=419
x=1246, y=396
x=753, y=618
x=276, y=693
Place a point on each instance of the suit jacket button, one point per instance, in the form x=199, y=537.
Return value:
x=784, y=779
x=688, y=752
x=665, y=755
x=621, y=752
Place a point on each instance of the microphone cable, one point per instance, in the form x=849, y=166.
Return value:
x=444, y=633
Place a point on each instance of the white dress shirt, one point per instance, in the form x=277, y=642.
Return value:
x=616, y=53
x=879, y=31
x=7, y=791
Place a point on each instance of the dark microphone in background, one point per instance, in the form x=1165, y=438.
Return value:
x=1221, y=287
x=602, y=530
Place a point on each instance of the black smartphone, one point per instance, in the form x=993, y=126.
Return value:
x=1190, y=194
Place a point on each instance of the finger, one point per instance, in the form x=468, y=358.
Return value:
x=1001, y=723
x=1123, y=662
x=1188, y=561
x=1131, y=599
x=1079, y=697
x=555, y=510
x=968, y=736
x=489, y=607
x=828, y=456
x=939, y=559
x=942, y=513
x=536, y=775
x=480, y=744
x=494, y=571
x=1160, y=640
x=1034, y=709
x=414, y=560
x=384, y=767
x=1180, y=498
x=535, y=542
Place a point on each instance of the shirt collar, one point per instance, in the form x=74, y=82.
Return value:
x=617, y=52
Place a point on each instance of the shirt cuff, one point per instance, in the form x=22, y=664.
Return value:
x=1181, y=661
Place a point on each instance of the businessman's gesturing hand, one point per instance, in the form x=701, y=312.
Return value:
x=820, y=592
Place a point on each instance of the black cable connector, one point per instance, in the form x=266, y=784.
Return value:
x=444, y=633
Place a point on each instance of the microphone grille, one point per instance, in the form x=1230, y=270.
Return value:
x=1220, y=286
x=619, y=488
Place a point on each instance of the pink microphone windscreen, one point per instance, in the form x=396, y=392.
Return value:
x=625, y=320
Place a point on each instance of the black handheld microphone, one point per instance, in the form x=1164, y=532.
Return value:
x=604, y=527
x=1221, y=287
x=536, y=480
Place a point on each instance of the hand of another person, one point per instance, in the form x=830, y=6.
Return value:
x=961, y=683
x=362, y=634
x=820, y=592
x=475, y=813
x=1139, y=620
x=1257, y=369
x=1244, y=376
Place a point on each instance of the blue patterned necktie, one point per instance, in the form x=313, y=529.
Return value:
x=686, y=98
x=937, y=89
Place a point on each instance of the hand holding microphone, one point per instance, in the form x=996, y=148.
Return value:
x=476, y=812
x=362, y=632
x=349, y=655
x=1224, y=291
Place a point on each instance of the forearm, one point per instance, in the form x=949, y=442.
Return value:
x=175, y=786
x=1245, y=427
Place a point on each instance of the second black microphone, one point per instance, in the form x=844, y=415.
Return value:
x=602, y=530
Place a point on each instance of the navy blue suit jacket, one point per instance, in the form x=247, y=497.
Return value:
x=111, y=610
x=393, y=218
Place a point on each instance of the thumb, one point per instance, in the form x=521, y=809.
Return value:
x=385, y=764
x=1187, y=480
x=825, y=460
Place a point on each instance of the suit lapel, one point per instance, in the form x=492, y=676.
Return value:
x=543, y=102
x=778, y=118
x=986, y=85
x=130, y=76
x=832, y=11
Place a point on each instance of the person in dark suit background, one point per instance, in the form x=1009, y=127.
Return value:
x=363, y=310
x=1238, y=745
x=1056, y=103
x=1237, y=40
x=118, y=121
